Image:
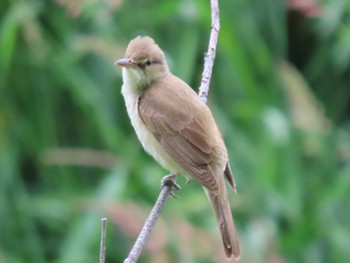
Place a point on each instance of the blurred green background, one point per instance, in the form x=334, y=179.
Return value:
x=68, y=155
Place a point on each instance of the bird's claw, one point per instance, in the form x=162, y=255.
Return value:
x=172, y=194
x=170, y=180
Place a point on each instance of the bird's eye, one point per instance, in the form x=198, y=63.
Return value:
x=148, y=62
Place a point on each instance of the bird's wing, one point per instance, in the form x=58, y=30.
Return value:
x=176, y=125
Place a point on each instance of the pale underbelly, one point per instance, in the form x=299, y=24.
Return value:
x=148, y=141
x=153, y=147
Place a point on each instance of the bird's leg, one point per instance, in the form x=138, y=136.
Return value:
x=170, y=180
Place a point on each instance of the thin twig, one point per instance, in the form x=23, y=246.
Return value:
x=209, y=57
x=148, y=226
x=203, y=93
x=103, y=240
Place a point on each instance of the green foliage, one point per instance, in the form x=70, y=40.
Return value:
x=68, y=156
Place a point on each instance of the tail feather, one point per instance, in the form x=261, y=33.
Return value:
x=225, y=223
x=229, y=177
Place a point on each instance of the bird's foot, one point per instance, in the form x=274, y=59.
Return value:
x=170, y=180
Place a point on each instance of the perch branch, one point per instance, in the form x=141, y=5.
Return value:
x=203, y=93
x=148, y=226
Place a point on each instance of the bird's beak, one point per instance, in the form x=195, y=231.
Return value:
x=125, y=62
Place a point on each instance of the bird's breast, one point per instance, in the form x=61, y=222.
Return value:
x=147, y=139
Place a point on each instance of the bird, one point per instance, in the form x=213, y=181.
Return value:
x=177, y=129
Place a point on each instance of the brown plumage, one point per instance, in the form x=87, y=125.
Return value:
x=178, y=129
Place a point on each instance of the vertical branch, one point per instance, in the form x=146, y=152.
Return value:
x=209, y=57
x=103, y=240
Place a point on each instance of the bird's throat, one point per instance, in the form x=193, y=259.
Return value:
x=136, y=79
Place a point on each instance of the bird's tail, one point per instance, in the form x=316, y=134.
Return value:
x=225, y=223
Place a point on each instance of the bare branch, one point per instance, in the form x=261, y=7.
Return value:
x=209, y=57
x=203, y=93
x=103, y=240
x=148, y=226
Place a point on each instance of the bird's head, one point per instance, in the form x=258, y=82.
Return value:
x=144, y=62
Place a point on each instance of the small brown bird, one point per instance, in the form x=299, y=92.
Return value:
x=178, y=129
